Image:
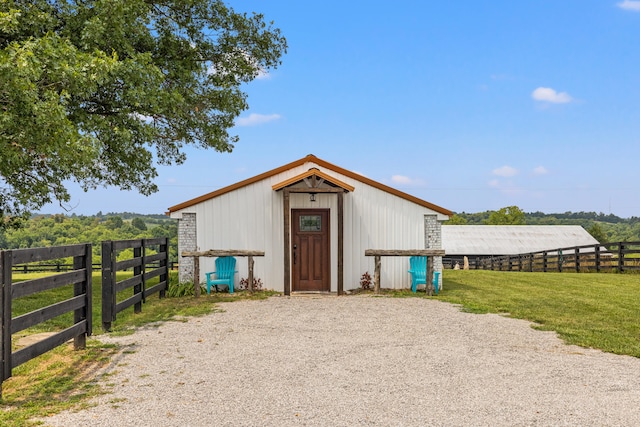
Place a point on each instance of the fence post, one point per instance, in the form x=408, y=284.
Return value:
x=620, y=257
x=83, y=288
x=138, y=270
x=560, y=260
x=164, y=248
x=108, y=284
x=597, y=251
x=6, y=261
x=544, y=261
x=577, y=260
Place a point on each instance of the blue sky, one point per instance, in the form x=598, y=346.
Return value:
x=471, y=105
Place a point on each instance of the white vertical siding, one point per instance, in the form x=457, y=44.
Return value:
x=251, y=218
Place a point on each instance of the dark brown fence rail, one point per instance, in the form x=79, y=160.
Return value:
x=80, y=304
x=60, y=267
x=606, y=257
x=150, y=259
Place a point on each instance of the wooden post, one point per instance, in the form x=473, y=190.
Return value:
x=6, y=258
x=196, y=276
x=250, y=262
x=80, y=288
x=577, y=260
x=376, y=275
x=429, y=285
x=287, y=248
x=340, y=243
x=620, y=257
x=108, y=285
x=138, y=270
x=164, y=248
x=597, y=251
x=531, y=256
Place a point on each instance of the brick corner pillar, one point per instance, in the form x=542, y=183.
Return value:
x=433, y=240
x=187, y=241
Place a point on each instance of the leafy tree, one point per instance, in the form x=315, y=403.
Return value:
x=510, y=215
x=138, y=223
x=597, y=232
x=97, y=91
x=457, y=220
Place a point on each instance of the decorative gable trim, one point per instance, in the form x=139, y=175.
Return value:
x=322, y=163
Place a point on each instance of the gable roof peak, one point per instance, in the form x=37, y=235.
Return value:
x=321, y=164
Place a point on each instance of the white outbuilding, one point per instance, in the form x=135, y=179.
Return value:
x=314, y=221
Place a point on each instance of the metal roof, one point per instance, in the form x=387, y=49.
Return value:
x=511, y=239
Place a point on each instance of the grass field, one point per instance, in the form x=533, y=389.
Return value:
x=587, y=309
x=592, y=310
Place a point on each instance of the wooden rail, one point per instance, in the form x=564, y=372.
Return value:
x=378, y=253
x=614, y=257
x=218, y=253
x=145, y=267
x=79, y=304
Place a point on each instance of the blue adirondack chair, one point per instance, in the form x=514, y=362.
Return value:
x=225, y=271
x=418, y=270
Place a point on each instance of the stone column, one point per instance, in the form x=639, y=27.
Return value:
x=433, y=240
x=187, y=241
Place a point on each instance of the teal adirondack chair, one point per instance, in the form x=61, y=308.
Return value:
x=418, y=270
x=225, y=271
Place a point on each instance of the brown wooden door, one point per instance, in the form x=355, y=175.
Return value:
x=310, y=250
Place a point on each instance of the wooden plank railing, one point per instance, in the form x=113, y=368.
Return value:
x=80, y=304
x=614, y=257
x=145, y=267
x=378, y=253
x=218, y=253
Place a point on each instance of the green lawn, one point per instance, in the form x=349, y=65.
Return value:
x=587, y=309
x=592, y=310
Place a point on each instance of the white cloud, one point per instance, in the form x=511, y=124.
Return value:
x=401, y=179
x=405, y=181
x=505, y=171
x=547, y=94
x=257, y=119
x=540, y=170
x=633, y=5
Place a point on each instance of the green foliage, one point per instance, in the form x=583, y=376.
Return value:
x=456, y=220
x=510, y=215
x=596, y=310
x=612, y=227
x=139, y=223
x=597, y=232
x=186, y=289
x=58, y=230
x=97, y=92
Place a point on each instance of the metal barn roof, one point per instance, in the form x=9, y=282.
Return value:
x=511, y=239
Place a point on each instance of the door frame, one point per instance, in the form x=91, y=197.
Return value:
x=286, y=202
x=326, y=234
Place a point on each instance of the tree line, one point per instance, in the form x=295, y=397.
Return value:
x=60, y=230
x=603, y=227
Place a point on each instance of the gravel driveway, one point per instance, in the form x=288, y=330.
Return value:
x=358, y=360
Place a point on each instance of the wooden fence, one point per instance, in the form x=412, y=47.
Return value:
x=146, y=265
x=80, y=303
x=606, y=257
x=59, y=267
